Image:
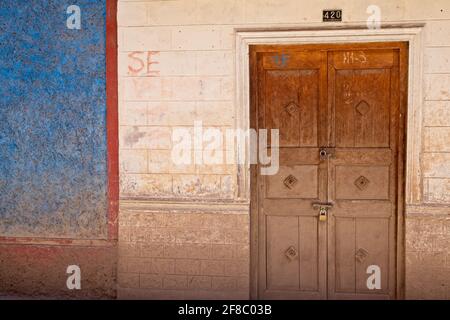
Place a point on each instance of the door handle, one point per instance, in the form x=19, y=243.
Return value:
x=326, y=153
x=323, y=208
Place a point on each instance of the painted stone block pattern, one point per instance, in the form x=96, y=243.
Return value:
x=177, y=254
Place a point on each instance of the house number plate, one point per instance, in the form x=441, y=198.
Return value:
x=332, y=15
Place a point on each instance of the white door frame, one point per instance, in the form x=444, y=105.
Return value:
x=413, y=34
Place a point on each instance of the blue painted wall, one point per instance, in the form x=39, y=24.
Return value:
x=53, y=174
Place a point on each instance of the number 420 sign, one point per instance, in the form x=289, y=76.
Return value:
x=332, y=15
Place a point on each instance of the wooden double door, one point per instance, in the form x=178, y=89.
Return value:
x=331, y=214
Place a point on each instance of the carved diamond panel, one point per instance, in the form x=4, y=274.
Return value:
x=361, y=254
x=362, y=182
x=363, y=107
x=290, y=181
x=291, y=253
x=292, y=108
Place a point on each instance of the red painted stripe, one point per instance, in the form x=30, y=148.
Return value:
x=112, y=121
x=54, y=241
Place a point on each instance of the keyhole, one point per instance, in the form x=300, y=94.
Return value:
x=323, y=153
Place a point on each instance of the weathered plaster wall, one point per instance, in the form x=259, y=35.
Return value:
x=53, y=130
x=176, y=65
x=53, y=154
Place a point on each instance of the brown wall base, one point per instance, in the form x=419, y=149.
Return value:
x=168, y=255
x=183, y=252
x=427, y=257
x=39, y=270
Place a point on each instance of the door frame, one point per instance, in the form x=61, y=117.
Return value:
x=245, y=115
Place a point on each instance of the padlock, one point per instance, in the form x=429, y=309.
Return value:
x=323, y=214
x=323, y=208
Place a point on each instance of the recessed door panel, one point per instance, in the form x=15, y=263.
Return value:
x=371, y=249
x=283, y=263
x=298, y=181
x=292, y=254
x=291, y=102
x=362, y=182
x=362, y=107
x=359, y=244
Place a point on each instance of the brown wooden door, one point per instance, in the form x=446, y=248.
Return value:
x=344, y=100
